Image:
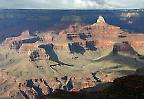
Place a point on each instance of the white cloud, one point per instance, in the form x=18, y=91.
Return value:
x=72, y=4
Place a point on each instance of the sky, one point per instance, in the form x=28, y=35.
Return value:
x=71, y=4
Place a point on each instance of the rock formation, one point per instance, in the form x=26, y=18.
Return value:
x=100, y=20
x=98, y=39
x=13, y=42
x=28, y=48
x=100, y=33
x=47, y=38
x=38, y=54
x=138, y=46
x=25, y=35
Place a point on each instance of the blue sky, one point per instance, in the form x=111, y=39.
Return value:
x=71, y=4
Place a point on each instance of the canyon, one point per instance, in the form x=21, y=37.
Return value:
x=78, y=57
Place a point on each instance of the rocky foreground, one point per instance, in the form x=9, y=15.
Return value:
x=121, y=88
x=127, y=87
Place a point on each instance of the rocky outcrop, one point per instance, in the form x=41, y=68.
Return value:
x=25, y=35
x=61, y=42
x=100, y=20
x=16, y=42
x=28, y=48
x=122, y=88
x=33, y=52
x=47, y=38
x=102, y=30
x=38, y=54
x=138, y=46
x=13, y=42
x=34, y=88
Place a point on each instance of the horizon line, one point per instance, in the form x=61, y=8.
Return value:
x=71, y=9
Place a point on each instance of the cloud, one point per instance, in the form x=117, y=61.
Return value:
x=100, y=2
x=71, y=4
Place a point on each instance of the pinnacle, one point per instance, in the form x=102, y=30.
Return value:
x=100, y=19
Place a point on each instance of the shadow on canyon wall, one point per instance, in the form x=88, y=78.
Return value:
x=80, y=49
x=32, y=40
x=53, y=56
x=76, y=48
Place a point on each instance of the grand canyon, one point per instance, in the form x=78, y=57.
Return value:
x=88, y=60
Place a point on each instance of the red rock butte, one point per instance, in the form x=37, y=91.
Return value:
x=100, y=34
